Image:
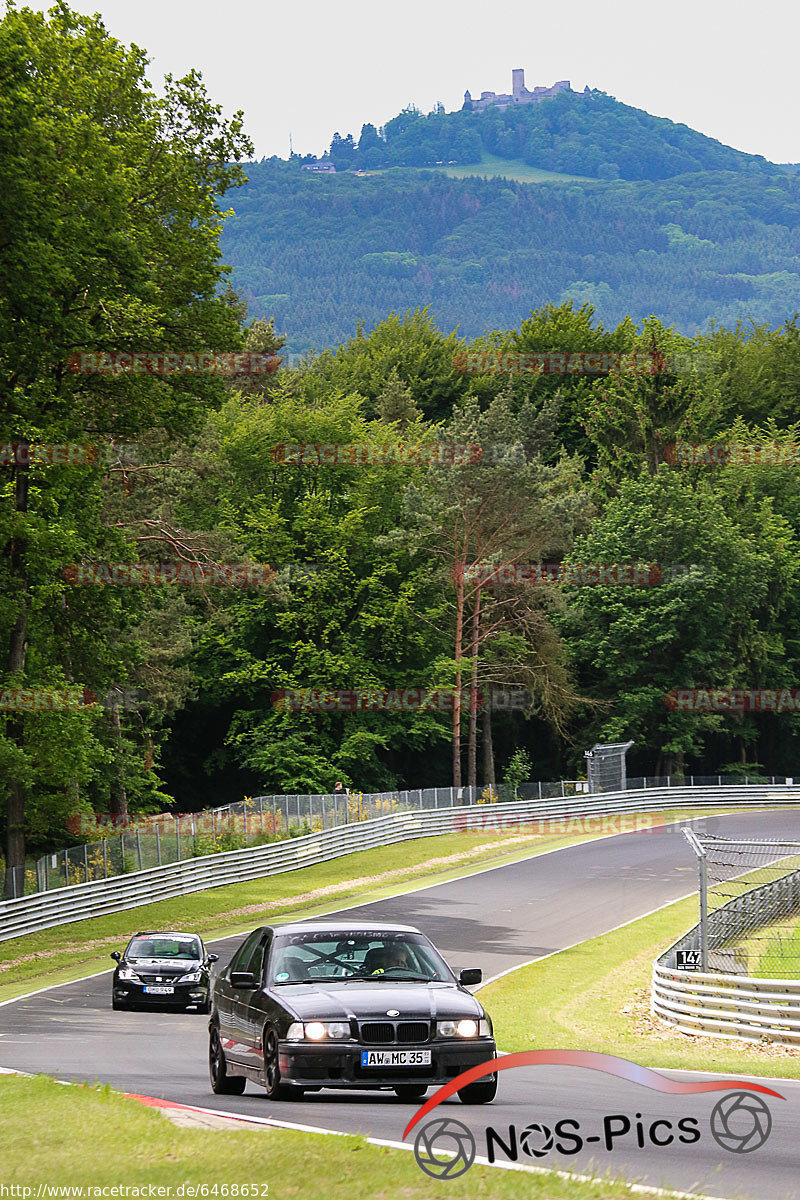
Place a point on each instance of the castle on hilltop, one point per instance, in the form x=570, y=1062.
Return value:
x=519, y=93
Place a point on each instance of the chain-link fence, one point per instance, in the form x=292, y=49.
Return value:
x=140, y=843
x=749, y=908
x=606, y=767
x=133, y=845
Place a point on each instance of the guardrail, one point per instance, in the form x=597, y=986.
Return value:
x=730, y=1003
x=43, y=910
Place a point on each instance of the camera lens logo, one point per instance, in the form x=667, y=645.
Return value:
x=536, y=1140
x=454, y=1151
x=741, y=1122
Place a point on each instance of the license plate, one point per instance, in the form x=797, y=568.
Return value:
x=159, y=991
x=395, y=1058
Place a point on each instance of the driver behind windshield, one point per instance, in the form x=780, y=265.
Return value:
x=386, y=958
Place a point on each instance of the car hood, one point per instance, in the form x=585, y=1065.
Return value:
x=371, y=1002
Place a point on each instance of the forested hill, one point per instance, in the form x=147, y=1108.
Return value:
x=322, y=252
x=576, y=133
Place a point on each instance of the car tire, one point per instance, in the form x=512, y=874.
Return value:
x=222, y=1084
x=479, y=1093
x=410, y=1091
x=117, y=1006
x=272, y=1073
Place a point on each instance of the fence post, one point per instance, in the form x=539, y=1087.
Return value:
x=105, y=857
x=122, y=854
x=691, y=781
x=704, y=913
x=86, y=862
x=158, y=844
x=540, y=789
x=562, y=787
x=139, y=848
x=244, y=817
x=66, y=869
x=178, y=836
x=261, y=811
x=719, y=781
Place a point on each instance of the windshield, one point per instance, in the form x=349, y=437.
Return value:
x=306, y=957
x=155, y=946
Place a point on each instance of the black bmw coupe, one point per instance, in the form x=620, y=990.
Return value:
x=320, y=1005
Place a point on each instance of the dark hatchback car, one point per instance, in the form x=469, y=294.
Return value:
x=163, y=969
x=321, y=1005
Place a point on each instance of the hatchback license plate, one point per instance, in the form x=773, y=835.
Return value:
x=395, y=1058
x=160, y=991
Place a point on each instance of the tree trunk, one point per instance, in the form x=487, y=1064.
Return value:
x=457, y=697
x=119, y=796
x=488, y=748
x=472, y=742
x=15, y=731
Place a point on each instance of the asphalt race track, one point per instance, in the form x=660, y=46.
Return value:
x=495, y=919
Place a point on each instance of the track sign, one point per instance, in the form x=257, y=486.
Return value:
x=687, y=960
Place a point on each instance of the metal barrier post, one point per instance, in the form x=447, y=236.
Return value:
x=139, y=848
x=105, y=858
x=261, y=811
x=702, y=865
x=86, y=862
x=158, y=844
x=66, y=869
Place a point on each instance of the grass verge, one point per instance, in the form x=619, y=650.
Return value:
x=95, y=1137
x=68, y=952
x=597, y=997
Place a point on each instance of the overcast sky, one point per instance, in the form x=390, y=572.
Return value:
x=312, y=68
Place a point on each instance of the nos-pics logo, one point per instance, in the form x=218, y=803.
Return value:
x=740, y=1122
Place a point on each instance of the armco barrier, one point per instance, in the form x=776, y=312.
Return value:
x=727, y=1006
x=64, y=905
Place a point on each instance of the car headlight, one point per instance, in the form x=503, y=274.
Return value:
x=192, y=977
x=127, y=973
x=465, y=1028
x=317, y=1031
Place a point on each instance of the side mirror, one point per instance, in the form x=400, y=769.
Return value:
x=212, y=958
x=244, y=981
x=116, y=956
x=470, y=976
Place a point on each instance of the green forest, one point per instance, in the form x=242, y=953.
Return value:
x=116, y=244
x=322, y=253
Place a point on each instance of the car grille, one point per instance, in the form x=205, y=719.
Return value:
x=166, y=980
x=384, y=1033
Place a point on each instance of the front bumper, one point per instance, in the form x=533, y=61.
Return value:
x=338, y=1064
x=126, y=992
